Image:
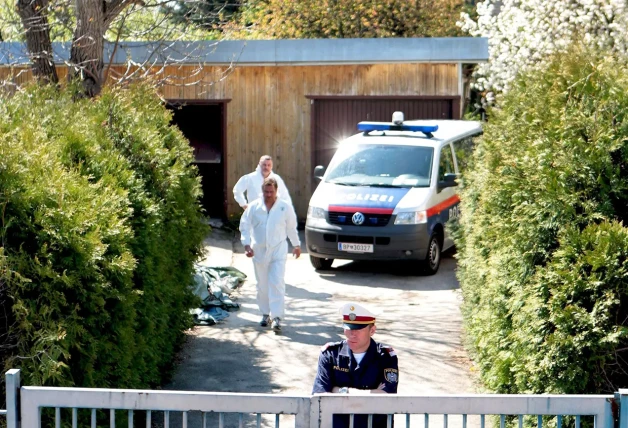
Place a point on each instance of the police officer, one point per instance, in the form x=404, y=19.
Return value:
x=357, y=365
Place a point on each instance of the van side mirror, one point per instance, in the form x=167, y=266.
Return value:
x=448, y=181
x=450, y=178
x=319, y=171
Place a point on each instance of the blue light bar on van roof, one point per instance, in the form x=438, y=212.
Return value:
x=389, y=126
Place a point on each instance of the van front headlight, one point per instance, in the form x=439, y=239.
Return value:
x=315, y=212
x=413, y=217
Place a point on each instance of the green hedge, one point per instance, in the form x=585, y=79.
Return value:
x=101, y=225
x=542, y=240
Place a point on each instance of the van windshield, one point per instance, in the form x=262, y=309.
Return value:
x=382, y=165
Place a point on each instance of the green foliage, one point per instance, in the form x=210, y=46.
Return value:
x=286, y=19
x=148, y=20
x=100, y=228
x=542, y=241
x=153, y=20
x=207, y=14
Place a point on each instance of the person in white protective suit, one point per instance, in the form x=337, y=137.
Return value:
x=264, y=227
x=252, y=184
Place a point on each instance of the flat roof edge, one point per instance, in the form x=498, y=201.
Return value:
x=278, y=52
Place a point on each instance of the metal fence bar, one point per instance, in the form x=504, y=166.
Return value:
x=179, y=401
x=12, y=379
x=315, y=412
x=149, y=416
x=303, y=413
x=606, y=418
x=623, y=408
x=130, y=418
x=482, y=404
x=94, y=423
x=75, y=418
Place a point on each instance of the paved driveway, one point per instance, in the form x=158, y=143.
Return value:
x=421, y=320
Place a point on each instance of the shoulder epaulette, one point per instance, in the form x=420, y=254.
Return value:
x=385, y=349
x=328, y=344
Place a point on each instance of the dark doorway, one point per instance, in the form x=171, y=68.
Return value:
x=336, y=118
x=203, y=124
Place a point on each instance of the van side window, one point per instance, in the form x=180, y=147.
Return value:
x=464, y=150
x=446, y=165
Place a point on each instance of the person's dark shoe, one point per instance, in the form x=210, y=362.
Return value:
x=265, y=320
x=276, y=324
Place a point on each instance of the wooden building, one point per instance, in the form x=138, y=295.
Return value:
x=294, y=99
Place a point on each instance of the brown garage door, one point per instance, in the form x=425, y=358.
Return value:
x=334, y=119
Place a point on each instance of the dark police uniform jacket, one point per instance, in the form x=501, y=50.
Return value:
x=338, y=367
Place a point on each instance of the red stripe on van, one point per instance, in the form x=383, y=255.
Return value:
x=363, y=210
x=436, y=209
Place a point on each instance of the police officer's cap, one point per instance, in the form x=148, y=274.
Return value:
x=355, y=316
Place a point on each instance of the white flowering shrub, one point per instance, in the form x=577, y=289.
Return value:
x=524, y=33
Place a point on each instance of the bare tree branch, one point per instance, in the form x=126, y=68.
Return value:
x=112, y=8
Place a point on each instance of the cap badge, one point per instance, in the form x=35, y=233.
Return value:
x=352, y=316
x=352, y=308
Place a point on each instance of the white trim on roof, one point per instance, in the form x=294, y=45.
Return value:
x=280, y=52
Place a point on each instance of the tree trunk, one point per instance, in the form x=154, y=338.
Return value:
x=38, y=42
x=86, y=56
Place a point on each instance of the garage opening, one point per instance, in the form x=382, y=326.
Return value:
x=203, y=124
x=336, y=118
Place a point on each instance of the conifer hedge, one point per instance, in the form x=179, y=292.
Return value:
x=543, y=242
x=100, y=226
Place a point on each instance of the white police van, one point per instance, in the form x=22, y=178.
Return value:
x=388, y=193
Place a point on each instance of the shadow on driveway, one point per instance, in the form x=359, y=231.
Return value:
x=403, y=275
x=218, y=365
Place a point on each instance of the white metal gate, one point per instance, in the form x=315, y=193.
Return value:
x=25, y=404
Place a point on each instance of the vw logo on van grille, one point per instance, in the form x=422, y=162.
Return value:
x=358, y=218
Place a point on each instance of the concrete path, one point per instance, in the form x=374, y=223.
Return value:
x=421, y=320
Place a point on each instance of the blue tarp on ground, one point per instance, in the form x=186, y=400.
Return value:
x=213, y=285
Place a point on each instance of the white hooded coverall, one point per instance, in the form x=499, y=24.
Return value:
x=252, y=184
x=266, y=232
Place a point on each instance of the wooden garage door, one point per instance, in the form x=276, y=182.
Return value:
x=334, y=119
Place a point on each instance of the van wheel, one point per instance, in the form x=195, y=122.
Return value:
x=433, y=256
x=320, y=263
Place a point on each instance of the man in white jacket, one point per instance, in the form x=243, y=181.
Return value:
x=264, y=227
x=252, y=184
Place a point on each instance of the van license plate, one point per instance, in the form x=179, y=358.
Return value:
x=355, y=248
